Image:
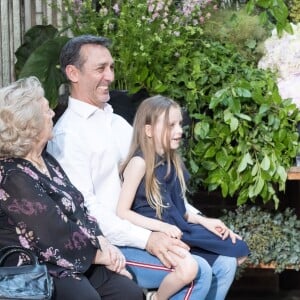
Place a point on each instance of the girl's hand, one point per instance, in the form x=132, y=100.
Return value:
x=171, y=230
x=219, y=228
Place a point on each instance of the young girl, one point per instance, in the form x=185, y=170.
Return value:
x=154, y=186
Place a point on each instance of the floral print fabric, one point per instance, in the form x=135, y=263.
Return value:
x=46, y=214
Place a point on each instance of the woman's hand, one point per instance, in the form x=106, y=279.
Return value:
x=111, y=257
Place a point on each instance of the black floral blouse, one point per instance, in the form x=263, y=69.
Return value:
x=46, y=215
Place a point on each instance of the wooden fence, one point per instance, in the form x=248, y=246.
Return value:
x=16, y=17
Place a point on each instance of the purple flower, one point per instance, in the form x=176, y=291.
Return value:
x=64, y=263
x=58, y=181
x=3, y=195
x=116, y=8
x=31, y=173
x=23, y=242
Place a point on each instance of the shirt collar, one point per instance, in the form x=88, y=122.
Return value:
x=86, y=110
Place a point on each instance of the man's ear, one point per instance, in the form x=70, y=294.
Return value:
x=72, y=73
x=148, y=131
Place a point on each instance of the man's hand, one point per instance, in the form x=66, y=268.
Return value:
x=159, y=245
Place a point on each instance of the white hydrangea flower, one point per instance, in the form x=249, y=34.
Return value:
x=282, y=56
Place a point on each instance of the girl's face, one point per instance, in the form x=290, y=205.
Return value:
x=171, y=137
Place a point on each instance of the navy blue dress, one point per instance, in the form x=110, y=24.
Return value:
x=202, y=241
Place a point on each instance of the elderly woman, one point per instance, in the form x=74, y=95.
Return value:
x=40, y=209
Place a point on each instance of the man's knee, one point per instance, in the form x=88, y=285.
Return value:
x=204, y=270
x=227, y=264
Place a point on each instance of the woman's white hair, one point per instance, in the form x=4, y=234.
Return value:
x=21, y=119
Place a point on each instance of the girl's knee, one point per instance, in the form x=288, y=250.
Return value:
x=187, y=269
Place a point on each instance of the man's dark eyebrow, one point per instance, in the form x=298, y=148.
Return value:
x=105, y=64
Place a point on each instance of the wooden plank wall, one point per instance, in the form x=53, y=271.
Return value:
x=16, y=17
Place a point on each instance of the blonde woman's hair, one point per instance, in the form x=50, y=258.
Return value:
x=21, y=117
x=147, y=114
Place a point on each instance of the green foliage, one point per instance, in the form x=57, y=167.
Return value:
x=271, y=237
x=242, y=137
x=146, y=38
x=39, y=56
x=272, y=11
x=238, y=28
x=294, y=11
x=33, y=38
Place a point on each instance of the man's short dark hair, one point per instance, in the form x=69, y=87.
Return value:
x=70, y=53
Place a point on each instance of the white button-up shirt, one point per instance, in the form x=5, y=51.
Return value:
x=90, y=143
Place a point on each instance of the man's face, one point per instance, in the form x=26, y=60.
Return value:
x=95, y=75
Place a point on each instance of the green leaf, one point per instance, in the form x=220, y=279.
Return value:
x=222, y=158
x=234, y=123
x=201, y=129
x=258, y=186
x=33, y=38
x=43, y=63
x=209, y=165
x=243, y=92
x=251, y=43
x=265, y=164
x=244, y=117
x=244, y=162
x=254, y=170
x=282, y=173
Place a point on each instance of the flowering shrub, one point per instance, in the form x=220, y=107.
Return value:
x=147, y=34
x=282, y=54
x=242, y=137
x=159, y=45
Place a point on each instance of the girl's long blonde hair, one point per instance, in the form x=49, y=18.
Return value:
x=147, y=114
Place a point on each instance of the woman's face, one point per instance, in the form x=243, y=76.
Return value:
x=48, y=114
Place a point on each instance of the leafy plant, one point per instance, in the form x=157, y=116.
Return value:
x=294, y=11
x=273, y=11
x=238, y=28
x=273, y=238
x=39, y=56
x=242, y=137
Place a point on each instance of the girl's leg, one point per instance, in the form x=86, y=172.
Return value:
x=241, y=260
x=148, y=272
x=224, y=269
x=183, y=274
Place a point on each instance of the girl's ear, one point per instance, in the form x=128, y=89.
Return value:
x=148, y=131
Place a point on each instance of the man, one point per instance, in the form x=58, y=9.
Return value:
x=90, y=141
